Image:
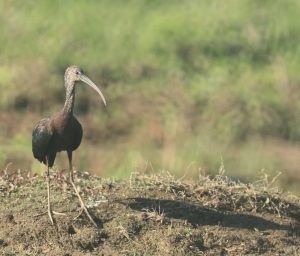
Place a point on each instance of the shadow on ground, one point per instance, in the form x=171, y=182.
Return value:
x=199, y=215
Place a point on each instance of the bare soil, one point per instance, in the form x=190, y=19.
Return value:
x=147, y=215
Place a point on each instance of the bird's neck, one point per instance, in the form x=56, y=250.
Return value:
x=70, y=97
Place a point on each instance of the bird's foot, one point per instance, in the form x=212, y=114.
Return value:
x=50, y=215
x=80, y=213
x=84, y=209
x=59, y=213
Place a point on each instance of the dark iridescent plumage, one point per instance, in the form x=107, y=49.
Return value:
x=41, y=136
x=52, y=135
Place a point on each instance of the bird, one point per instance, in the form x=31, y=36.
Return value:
x=62, y=132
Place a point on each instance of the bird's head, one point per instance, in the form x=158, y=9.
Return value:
x=74, y=73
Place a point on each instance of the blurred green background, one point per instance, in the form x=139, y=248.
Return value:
x=190, y=84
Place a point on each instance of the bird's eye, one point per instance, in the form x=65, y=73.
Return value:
x=77, y=72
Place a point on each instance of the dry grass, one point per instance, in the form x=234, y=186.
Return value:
x=149, y=215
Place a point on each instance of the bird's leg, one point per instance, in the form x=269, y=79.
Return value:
x=71, y=176
x=48, y=187
x=50, y=212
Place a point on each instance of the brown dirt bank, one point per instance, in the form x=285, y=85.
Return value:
x=148, y=215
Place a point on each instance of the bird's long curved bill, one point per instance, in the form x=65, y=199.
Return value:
x=90, y=83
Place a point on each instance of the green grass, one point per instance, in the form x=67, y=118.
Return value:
x=187, y=82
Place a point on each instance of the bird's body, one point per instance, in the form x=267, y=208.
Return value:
x=55, y=134
x=61, y=132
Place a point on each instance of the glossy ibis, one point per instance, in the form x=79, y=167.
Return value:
x=62, y=132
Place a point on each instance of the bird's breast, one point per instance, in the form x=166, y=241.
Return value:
x=67, y=133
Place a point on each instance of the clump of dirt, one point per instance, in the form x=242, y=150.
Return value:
x=147, y=215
